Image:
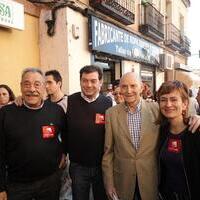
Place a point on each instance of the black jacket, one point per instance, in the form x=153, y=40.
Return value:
x=191, y=158
x=29, y=142
x=85, y=133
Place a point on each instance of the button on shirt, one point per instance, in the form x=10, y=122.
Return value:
x=134, y=125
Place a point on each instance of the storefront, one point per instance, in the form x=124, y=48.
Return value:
x=117, y=45
x=148, y=76
x=111, y=69
x=82, y=40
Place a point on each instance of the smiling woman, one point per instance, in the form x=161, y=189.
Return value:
x=179, y=150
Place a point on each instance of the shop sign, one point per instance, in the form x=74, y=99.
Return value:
x=108, y=38
x=11, y=14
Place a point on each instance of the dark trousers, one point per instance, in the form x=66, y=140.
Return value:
x=84, y=177
x=137, y=191
x=173, y=196
x=45, y=189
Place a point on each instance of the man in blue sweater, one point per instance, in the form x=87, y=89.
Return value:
x=30, y=149
x=85, y=131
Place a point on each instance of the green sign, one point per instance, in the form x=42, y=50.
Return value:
x=11, y=14
x=5, y=10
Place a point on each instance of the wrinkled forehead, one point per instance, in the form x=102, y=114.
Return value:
x=130, y=79
x=32, y=77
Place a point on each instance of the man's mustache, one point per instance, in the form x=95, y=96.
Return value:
x=32, y=94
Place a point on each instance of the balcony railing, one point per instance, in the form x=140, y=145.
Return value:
x=185, y=46
x=173, y=37
x=122, y=10
x=152, y=22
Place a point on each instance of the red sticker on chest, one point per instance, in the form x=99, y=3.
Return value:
x=174, y=145
x=48, y=131
x=99, y=118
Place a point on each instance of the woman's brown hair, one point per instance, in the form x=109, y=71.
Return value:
x=10, y=92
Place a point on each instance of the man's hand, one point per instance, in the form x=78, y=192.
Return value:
x=18, y=101
x=194, y=123
x=63, y=162
x=111, y=193
x=3, y=196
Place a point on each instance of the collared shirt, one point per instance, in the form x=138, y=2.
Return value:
x=32, y=108
x=89, y=100
x=134, y=125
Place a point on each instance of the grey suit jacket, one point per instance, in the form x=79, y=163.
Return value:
x=121, y=162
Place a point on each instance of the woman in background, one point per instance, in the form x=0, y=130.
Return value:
x=6, y=95
x=179, y=152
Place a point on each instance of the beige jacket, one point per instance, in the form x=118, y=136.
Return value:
x=121, y=163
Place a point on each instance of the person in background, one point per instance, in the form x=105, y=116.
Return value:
x=116, y=92
x=179, y=151
x=146, y=92
x=86, y=132
x=6, y=95
x=30, y=150
x=109, y=94
x=53, y=82
x=193, y=104
x=198, y=96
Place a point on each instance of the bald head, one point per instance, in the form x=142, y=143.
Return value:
x=131, y=88
x=131, y=75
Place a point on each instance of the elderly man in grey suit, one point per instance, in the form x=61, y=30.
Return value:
x=130, y=158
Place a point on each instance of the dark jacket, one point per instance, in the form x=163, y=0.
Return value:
x=29, y=142
x=191, y=158
x=86, y=129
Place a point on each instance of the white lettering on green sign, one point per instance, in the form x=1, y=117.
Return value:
x=5, y=10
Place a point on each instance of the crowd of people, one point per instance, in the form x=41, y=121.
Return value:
x=89, y=145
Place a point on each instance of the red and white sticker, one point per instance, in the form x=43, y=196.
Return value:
x=174, y=145
x=48, y=131
x=99, y=118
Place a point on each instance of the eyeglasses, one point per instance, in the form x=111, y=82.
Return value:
x=28, y=85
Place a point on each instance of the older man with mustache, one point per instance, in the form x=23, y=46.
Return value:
x=30, y=150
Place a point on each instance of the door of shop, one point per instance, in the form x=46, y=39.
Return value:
x=148, y=77
x=109, y=68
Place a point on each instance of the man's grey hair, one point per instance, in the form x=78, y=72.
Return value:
x=136, y=76
x=33, y=70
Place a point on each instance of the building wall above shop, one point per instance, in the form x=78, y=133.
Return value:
x=53, y=50
x=19, y=49
x=30, y=8
x=77, y=45
x=130, y=66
